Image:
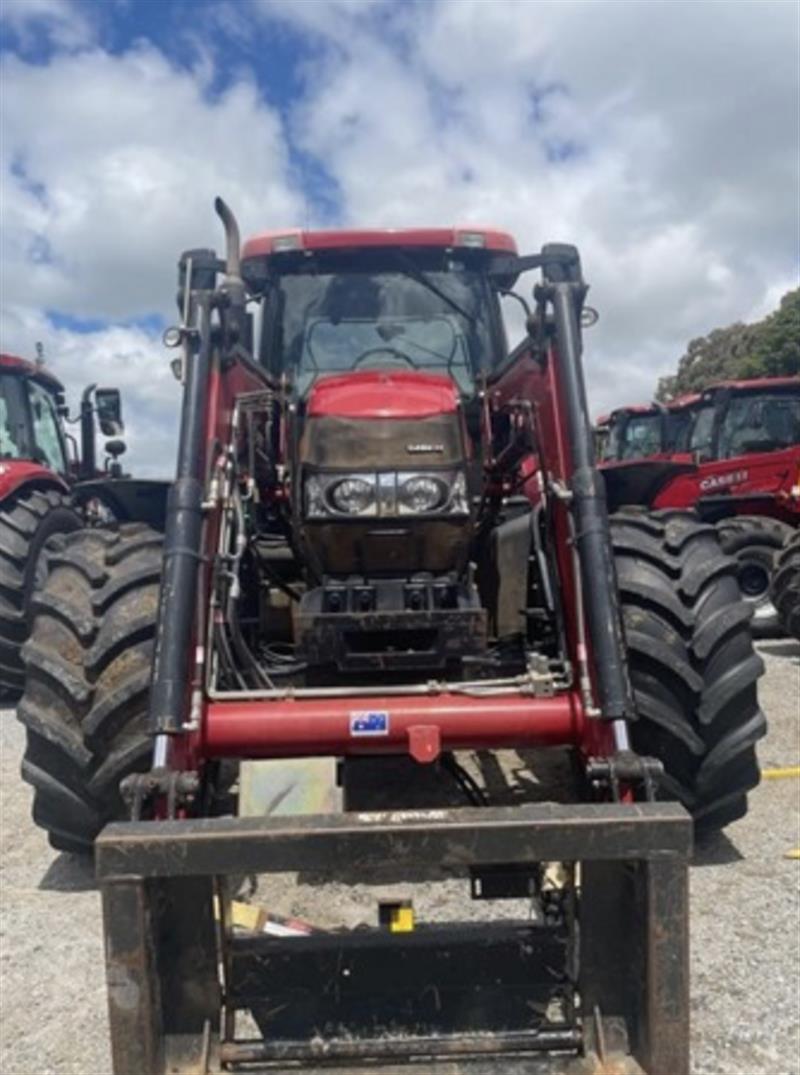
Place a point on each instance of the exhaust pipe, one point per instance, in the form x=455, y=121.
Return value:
x=237, y=327
x=233, y=283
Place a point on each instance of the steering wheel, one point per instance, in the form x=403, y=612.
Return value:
x=384, y=351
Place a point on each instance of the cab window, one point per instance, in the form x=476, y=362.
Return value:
x=760, y=423
x=642, y=436
x=49, y=447
x=613, y=444
x=14, y=440
x=701, y=440
x=679, y=430
x=336, y=313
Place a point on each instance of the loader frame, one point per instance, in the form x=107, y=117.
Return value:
x=613, y=954
x=171, y=1013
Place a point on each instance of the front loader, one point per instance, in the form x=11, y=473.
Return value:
x=387, y=546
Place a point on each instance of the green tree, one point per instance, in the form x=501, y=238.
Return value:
x=777, y=349
x=768, y=348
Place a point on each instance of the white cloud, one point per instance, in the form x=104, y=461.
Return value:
x=681, y=122
x=677, y=124
x=60, y=21
x=130, y=359
x=114, y=162
x=110, y=168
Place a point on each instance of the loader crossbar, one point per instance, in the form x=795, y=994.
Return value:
x=447, y=995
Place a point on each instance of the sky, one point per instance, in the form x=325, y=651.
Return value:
x=663, y=138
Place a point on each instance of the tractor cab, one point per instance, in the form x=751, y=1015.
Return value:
x=352, y=301
x=648, y=431
x=738, y=418
x=33, y=411
x=382, y=342
x=31, y=402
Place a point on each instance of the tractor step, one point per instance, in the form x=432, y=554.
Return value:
x=449, y=995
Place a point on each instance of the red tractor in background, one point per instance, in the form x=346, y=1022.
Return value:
x=646, y=430
x=732, y=453
x=49, y=485
x=351, y=577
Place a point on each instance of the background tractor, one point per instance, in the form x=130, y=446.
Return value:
x=731, y=453
x=387, y=544
x=51, y=484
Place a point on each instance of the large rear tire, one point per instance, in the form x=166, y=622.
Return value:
x=28, y=520
x=755, y=541
x=786, y=585
x=88, y=672
x=692, y=664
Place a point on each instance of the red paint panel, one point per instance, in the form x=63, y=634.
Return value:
x=381, y=725
x=383, y=394
x=261, y=245
x=14, y=474
x=29, y=369
x=755, y=475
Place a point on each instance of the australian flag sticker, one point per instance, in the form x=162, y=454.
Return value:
x=370, y=722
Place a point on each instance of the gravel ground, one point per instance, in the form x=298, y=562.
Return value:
x=745, y=924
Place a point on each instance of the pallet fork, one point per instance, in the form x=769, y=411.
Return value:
x=600, y=985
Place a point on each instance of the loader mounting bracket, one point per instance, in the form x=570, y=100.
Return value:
x=176, y=789
x=622, y=771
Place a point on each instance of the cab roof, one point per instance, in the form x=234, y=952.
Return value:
x=21, y=366
x=755, y=384
x=691, y=399
x=472, y=237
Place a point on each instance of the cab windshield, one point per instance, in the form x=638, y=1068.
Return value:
x=392, y=314
x=634, y=437
x=764, y=422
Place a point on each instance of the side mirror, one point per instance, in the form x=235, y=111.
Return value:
x=108, y=404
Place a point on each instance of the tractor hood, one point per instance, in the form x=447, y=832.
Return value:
x=383, y=457
x=383, y=394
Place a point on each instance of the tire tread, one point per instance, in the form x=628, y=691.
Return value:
x=692, y=664
x=88, y=663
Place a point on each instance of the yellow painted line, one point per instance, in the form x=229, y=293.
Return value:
x=793, y=854
x=779, y=774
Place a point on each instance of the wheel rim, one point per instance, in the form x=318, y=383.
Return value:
x=753, y=580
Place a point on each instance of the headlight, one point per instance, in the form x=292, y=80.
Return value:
x=352, y=496
x=444, y=493
x=386, y=494
x=422, y=494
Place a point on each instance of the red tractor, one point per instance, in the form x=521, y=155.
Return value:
x=646, y=431
x=47, y=489
x=351, y=576
x=36, y=501
x=732, y=453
